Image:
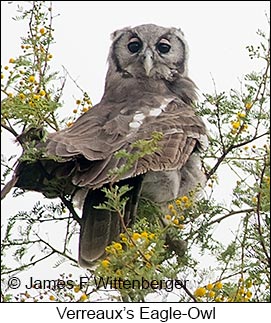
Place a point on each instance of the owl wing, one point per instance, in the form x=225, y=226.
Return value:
x=108, y=127
x=98, y=134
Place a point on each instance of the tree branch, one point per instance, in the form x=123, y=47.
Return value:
x=230, y=214
x=70, y=207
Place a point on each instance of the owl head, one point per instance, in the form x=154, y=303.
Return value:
x=149, y=51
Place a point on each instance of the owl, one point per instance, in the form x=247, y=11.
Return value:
x=147, y=90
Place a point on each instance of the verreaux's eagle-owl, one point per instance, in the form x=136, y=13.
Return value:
x=147, y=90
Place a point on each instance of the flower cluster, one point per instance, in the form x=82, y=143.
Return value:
x=82, y=106
x=209, y=292
x=239, y=123
x=28, y=96
x=218, y=292
x=177, y=210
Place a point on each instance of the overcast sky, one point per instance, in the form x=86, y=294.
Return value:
x=217, y=33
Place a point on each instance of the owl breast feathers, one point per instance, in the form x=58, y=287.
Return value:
x=147, y=90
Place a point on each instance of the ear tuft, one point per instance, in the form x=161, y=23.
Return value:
x=116, y=34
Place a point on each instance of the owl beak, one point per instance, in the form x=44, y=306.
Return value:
x=148, y=61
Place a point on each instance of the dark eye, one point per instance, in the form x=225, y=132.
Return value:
x=134, y=45
x=163, y=48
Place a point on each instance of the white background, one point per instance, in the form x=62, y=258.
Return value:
x=217, y=33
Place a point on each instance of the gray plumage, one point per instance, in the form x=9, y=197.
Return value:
x=146, y=90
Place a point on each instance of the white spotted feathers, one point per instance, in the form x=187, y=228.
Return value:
x=139, y=116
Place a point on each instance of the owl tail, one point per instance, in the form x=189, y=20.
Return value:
x=100, y=227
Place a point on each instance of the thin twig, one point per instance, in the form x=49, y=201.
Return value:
x=54, y=250
x=28, y=265
x=230, y=214
x=70, y=207
x=229, y=149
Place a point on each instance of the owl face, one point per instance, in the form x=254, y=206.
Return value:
x=149, y=51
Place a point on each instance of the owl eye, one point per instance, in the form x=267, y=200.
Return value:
x=163, y=48
x=134, y=45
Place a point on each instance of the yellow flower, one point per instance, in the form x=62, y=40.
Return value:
x=168, y=217
x=178, y=202
x=210, y=286
x=6, y=67
x=219, y=285
x=85, y=109
x=78, y=101
x=108, y=249
x=144, y=234
x=27, y=295
x=184, y=199
x=52, y=298
x=118, y=272
x=21, y=96
x=123, y=237
x=10, y=95
x=182, y=218
x=241, y=115
x=200, y=292
x=42, y=92
x=236, y=124
x=36, y=97
x=187, y=205
x=42, y=31
x=152, y=236
x=241, y=291
x=2, y=75
x=135, y=236
x=249, y=294
x=249, y=284
x=11, y=60
x=69, y=124
x=254, y=199
x=117, y=246
x=170, y=207
x=211, y=294
x=175, y=221
x=50, y=56
x=83, y=297
x=31, y=78
x=75, y=111
x=246, y=148
x=76, y=288
x=105, y=263
x=181, y=226
x=244, y=127
x=248, y=105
